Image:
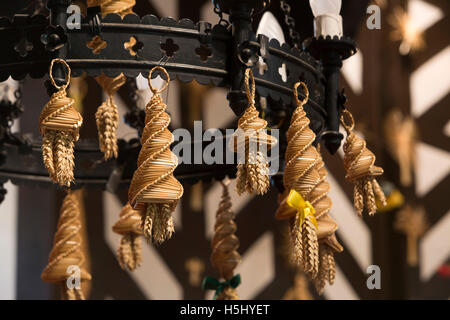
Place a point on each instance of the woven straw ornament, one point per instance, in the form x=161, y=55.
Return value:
x=252, y=142
x=67, y=251
x=154, y=190
x=59, y=124
x=129, y=253
x=224, y=245
x=359, y=163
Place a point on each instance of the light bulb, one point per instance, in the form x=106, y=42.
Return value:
x=320, y=7
x=327, y=20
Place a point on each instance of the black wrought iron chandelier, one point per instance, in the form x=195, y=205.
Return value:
x=209, y=54
x=303, y=102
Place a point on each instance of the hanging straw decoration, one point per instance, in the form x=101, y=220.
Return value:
x=327, y=227
x=400, y=134
x=225, y=256
x=107, y=115
x=122, y=7
x=327, y=268
x=59, y=124
x=359, y=164
x=67, y=251
x=413, y=222
x=252, y=142
x=304, y=188
x=129, y=253
x=154, y=190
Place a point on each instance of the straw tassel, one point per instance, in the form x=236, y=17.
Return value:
x=107, y=116
x=252, y=142
x=59, y=124
x=327, y=268
x=359, y=162
x=67, y=250
x=327, y=228
x=225, y=256
x=154, y=190
x=400, y=134
x=129, y=253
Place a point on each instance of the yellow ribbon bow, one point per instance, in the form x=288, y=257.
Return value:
x=305, y=208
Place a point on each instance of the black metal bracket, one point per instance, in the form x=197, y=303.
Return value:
x=331, y=52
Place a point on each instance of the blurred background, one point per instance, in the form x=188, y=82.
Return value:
x=397, y=87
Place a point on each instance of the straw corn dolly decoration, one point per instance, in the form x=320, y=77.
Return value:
x=305, y=200
x=67, y=251
x=252, y=142
x=107, y=115
x=59, y=124
x=359, y=162
x=154, y=190
x=129, y=253
x=224, y=245
x=400, y=133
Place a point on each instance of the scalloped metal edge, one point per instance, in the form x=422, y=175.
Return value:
x=184, y=77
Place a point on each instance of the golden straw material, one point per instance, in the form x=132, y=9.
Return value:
x=328, y=243
x=67, y=255
x=252, y=143
x=327, y=268
x=302, y=163
x=228, y=293
x=413, y=222
x=224, y=245
x=301, y=174
x=400, y=134
x=310, y=248
x=107, y=116
x=153, y=188
x=405, y=30
x=121, y=7
x=359, y=163
x=59, y=124
x=129, y=253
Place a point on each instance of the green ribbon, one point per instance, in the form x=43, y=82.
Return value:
x=210, y=283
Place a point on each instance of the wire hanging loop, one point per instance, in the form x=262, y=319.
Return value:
x=349, y=123
x=250, y=90
x=166, y=84
x=66, y=74
x=305, y=93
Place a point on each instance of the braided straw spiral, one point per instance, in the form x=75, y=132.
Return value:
x=67, y=251
x=252, y=141
x=59, y=124
x=154, y=189
x=129, y=253
x=327, y=227
x=224, y=245
x=359, y=162
x=107, y=116
x=301, y=174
